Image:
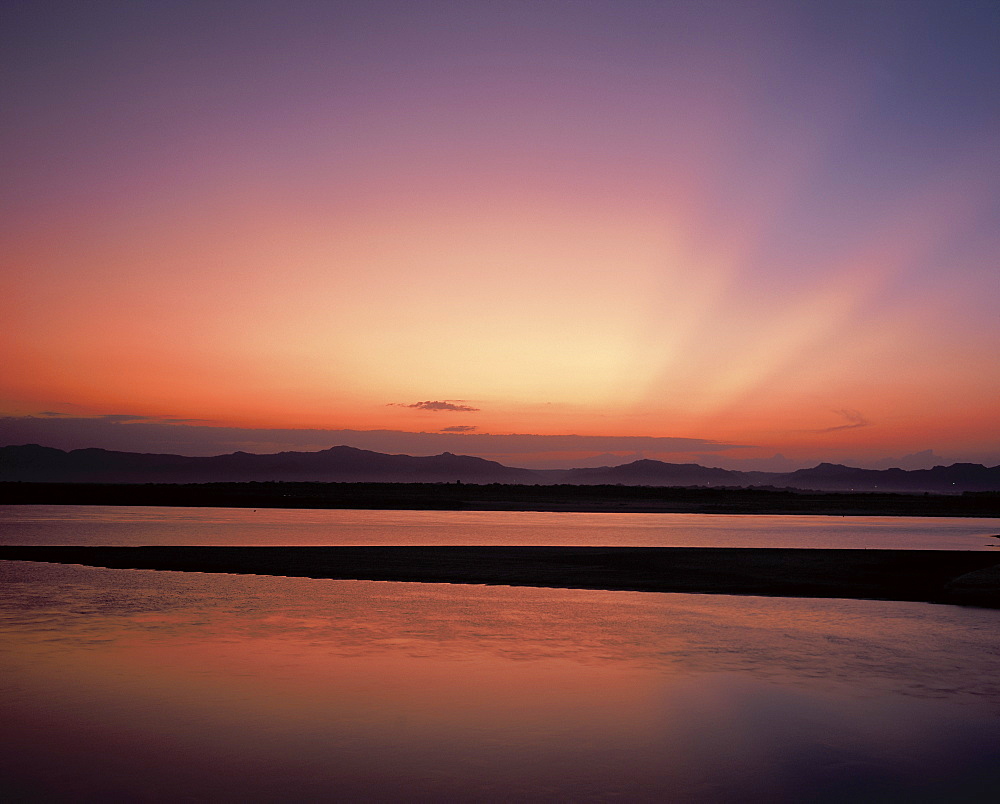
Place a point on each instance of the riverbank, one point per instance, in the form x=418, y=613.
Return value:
x=932, y=576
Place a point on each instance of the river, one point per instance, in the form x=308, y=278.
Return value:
x=162, y=686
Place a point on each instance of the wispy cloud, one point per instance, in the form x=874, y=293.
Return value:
x=437, y=406
x=854, y=420
x=459, y=428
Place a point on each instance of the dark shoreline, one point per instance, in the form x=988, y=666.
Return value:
x=931, y=576
x=503, y=497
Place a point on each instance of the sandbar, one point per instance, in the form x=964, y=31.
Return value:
x=934, y=576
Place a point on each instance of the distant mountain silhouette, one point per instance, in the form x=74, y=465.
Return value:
x=646, y=472
x=337, y=464
x=33, y=463
x=954, y=478
x=824, y=477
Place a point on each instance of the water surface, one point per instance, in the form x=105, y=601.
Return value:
x=163, y=686
x=159, y=686
x=139, y=525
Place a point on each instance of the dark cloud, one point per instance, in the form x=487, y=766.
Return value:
x=140, y=434
x=123, y=418
x=437, y=406
x=459, y=428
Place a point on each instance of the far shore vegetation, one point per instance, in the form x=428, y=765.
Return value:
x=504, y=497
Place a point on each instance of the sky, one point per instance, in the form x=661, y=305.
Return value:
x=748, y=234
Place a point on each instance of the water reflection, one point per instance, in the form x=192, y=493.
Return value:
x=138, y=525
x=158, y=686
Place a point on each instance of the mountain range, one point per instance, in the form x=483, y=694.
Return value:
x=34, y=463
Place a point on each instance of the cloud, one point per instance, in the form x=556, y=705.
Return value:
x=437, y=406
x=854, y=421
x=459, y=428
x=125, y=417
x=128, y=418
x=164, y=435
x=925, y=459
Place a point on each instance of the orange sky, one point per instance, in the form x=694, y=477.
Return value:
x=669, y=224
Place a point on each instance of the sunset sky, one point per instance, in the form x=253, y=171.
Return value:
x=711, y=231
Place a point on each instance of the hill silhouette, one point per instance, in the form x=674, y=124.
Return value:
x=337, y=464
x=34, y=463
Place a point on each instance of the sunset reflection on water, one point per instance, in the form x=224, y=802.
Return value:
x=159, y=685
x=151, y=525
